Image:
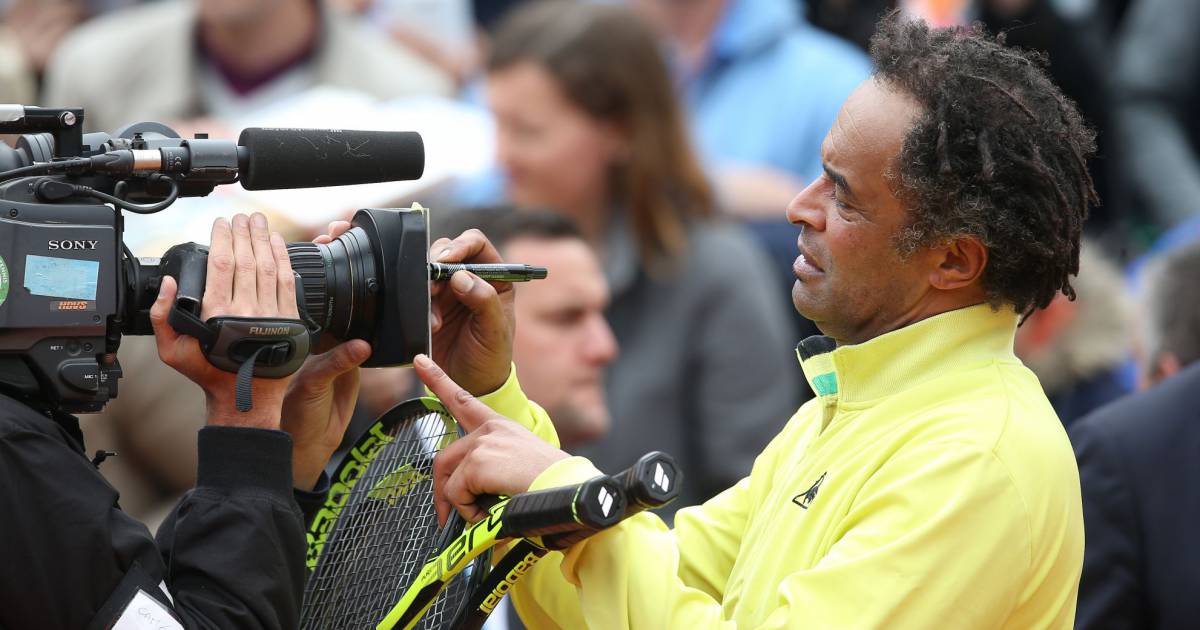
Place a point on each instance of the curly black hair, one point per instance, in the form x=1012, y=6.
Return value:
x=999, y=154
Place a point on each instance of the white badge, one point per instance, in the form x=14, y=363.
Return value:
x=146, y=613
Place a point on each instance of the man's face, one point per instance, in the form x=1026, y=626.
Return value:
x=563, y=343
x=850, y=279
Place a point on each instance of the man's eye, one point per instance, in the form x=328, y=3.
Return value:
x=567, y=318
x=837, y=202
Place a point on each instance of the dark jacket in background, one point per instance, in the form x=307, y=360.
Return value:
x=1139, y=467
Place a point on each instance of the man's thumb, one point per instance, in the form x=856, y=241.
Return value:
x=341, y=359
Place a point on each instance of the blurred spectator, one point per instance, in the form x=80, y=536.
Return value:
x=30, y=31
x=1078, y=348
x=763, y=87
x=1170, y=334
x=181, y=59
x=1138, y=470
x=440, y=31
x=588, y=125
x=562, y=343
x=1155, y=101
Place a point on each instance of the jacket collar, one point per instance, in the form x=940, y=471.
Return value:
x=893, y=362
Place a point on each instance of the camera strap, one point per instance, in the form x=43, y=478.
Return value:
x=264, y=347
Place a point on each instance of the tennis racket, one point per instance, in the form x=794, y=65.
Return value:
x=650, y=483
x=378, y=525
x=376, y=566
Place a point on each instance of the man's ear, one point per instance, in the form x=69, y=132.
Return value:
x=959, y=263
x=1165, y=366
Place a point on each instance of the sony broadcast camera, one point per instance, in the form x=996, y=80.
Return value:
x=69, y=286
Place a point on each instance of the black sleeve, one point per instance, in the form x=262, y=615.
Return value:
x=1110, y=591
x=310, y=501
x=234, y=557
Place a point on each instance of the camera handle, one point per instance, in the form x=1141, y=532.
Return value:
x=266, y=347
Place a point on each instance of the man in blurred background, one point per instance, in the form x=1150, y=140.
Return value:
x=181, y=59
x=563, y=343
x=1138, y=469
x=1079, y=349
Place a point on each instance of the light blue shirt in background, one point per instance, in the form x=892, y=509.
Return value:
x=770, y=89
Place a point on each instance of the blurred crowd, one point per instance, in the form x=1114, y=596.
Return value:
x=644, y=152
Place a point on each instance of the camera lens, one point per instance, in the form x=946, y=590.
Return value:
x=370, y=283
x=339, y=284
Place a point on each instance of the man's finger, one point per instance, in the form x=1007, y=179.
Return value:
x=338, y=228
x=322, y=369
x=245, y=269
x=218, y=286
x=457, y=490
x=480, y=297
x=266, y=264
x=438, y=248
x=471, y=246
x=465, y=408
x=444, y=465
x=286, y=285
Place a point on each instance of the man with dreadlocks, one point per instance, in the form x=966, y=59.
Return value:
x=929, y=484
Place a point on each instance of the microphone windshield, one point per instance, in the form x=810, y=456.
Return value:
x=310, y=158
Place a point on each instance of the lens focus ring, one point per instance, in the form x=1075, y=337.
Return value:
x=310, y=261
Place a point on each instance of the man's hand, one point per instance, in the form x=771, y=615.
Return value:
x=497, y=457
x=472, y=320
x=318, y=406
x=320, y=399
x=249, y=275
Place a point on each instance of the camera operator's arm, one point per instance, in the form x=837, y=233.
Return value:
x=234, y=547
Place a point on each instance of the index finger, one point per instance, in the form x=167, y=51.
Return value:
x=470, y=246
x=470, y=413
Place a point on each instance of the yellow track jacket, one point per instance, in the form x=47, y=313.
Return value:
x=929, y=485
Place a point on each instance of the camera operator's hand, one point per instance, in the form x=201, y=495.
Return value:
x=320, y=399
x=472, y=319
x=318, y=406
x=249, y=275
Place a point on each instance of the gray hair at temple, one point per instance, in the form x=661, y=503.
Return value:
x=1171, y=302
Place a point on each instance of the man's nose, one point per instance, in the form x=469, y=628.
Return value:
x=503, y=149
x=806, y=208
x=600, y=344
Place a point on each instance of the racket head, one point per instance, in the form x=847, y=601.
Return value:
x=378, y=524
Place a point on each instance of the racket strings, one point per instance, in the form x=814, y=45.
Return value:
x=386, y=530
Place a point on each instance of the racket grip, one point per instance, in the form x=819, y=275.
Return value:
x=591, y=505
x=652, y=482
